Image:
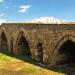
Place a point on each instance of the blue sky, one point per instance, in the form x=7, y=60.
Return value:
x=25, y=10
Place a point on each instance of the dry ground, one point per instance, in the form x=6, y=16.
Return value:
x=12, y=66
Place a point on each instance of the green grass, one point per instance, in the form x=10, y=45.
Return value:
x=28, y=69
x=4, y=59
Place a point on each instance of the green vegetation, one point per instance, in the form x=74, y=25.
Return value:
x=4, y=59
x=28, y=69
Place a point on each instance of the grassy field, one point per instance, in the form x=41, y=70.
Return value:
x=12, y=66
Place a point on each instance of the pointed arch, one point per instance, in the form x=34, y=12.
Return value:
x=23, y=45
x=64, y=50
x=62, y=40
x=4, y=43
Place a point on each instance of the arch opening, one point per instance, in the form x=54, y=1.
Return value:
x=23, y=47
x=68, y=50
x=11, y=44
x=40, y=52
x=4, y=43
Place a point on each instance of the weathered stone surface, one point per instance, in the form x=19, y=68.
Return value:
x=51, y=36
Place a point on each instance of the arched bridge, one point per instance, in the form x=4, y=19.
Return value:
x=49, y=43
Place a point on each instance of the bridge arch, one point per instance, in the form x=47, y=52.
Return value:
x=22, y=45
x=64, y=39
x=65, y=49
x=4, y=46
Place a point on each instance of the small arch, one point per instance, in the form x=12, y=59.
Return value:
x=23, y=45
x=40, y=52
x=4, y=43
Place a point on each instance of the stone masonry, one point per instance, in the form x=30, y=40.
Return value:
x=43, y=40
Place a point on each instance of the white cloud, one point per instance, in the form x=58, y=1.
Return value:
x=2, y=21
x=1, y=1
x=47, y=20
x=24, y=8
x=2, y=14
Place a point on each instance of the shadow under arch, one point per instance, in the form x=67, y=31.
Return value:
x=11, y=46
x=40, y=52
x=65, y=48
x=4, y=43
x=23, y=45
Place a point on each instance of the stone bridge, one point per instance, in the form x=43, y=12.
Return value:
x=49, y=43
